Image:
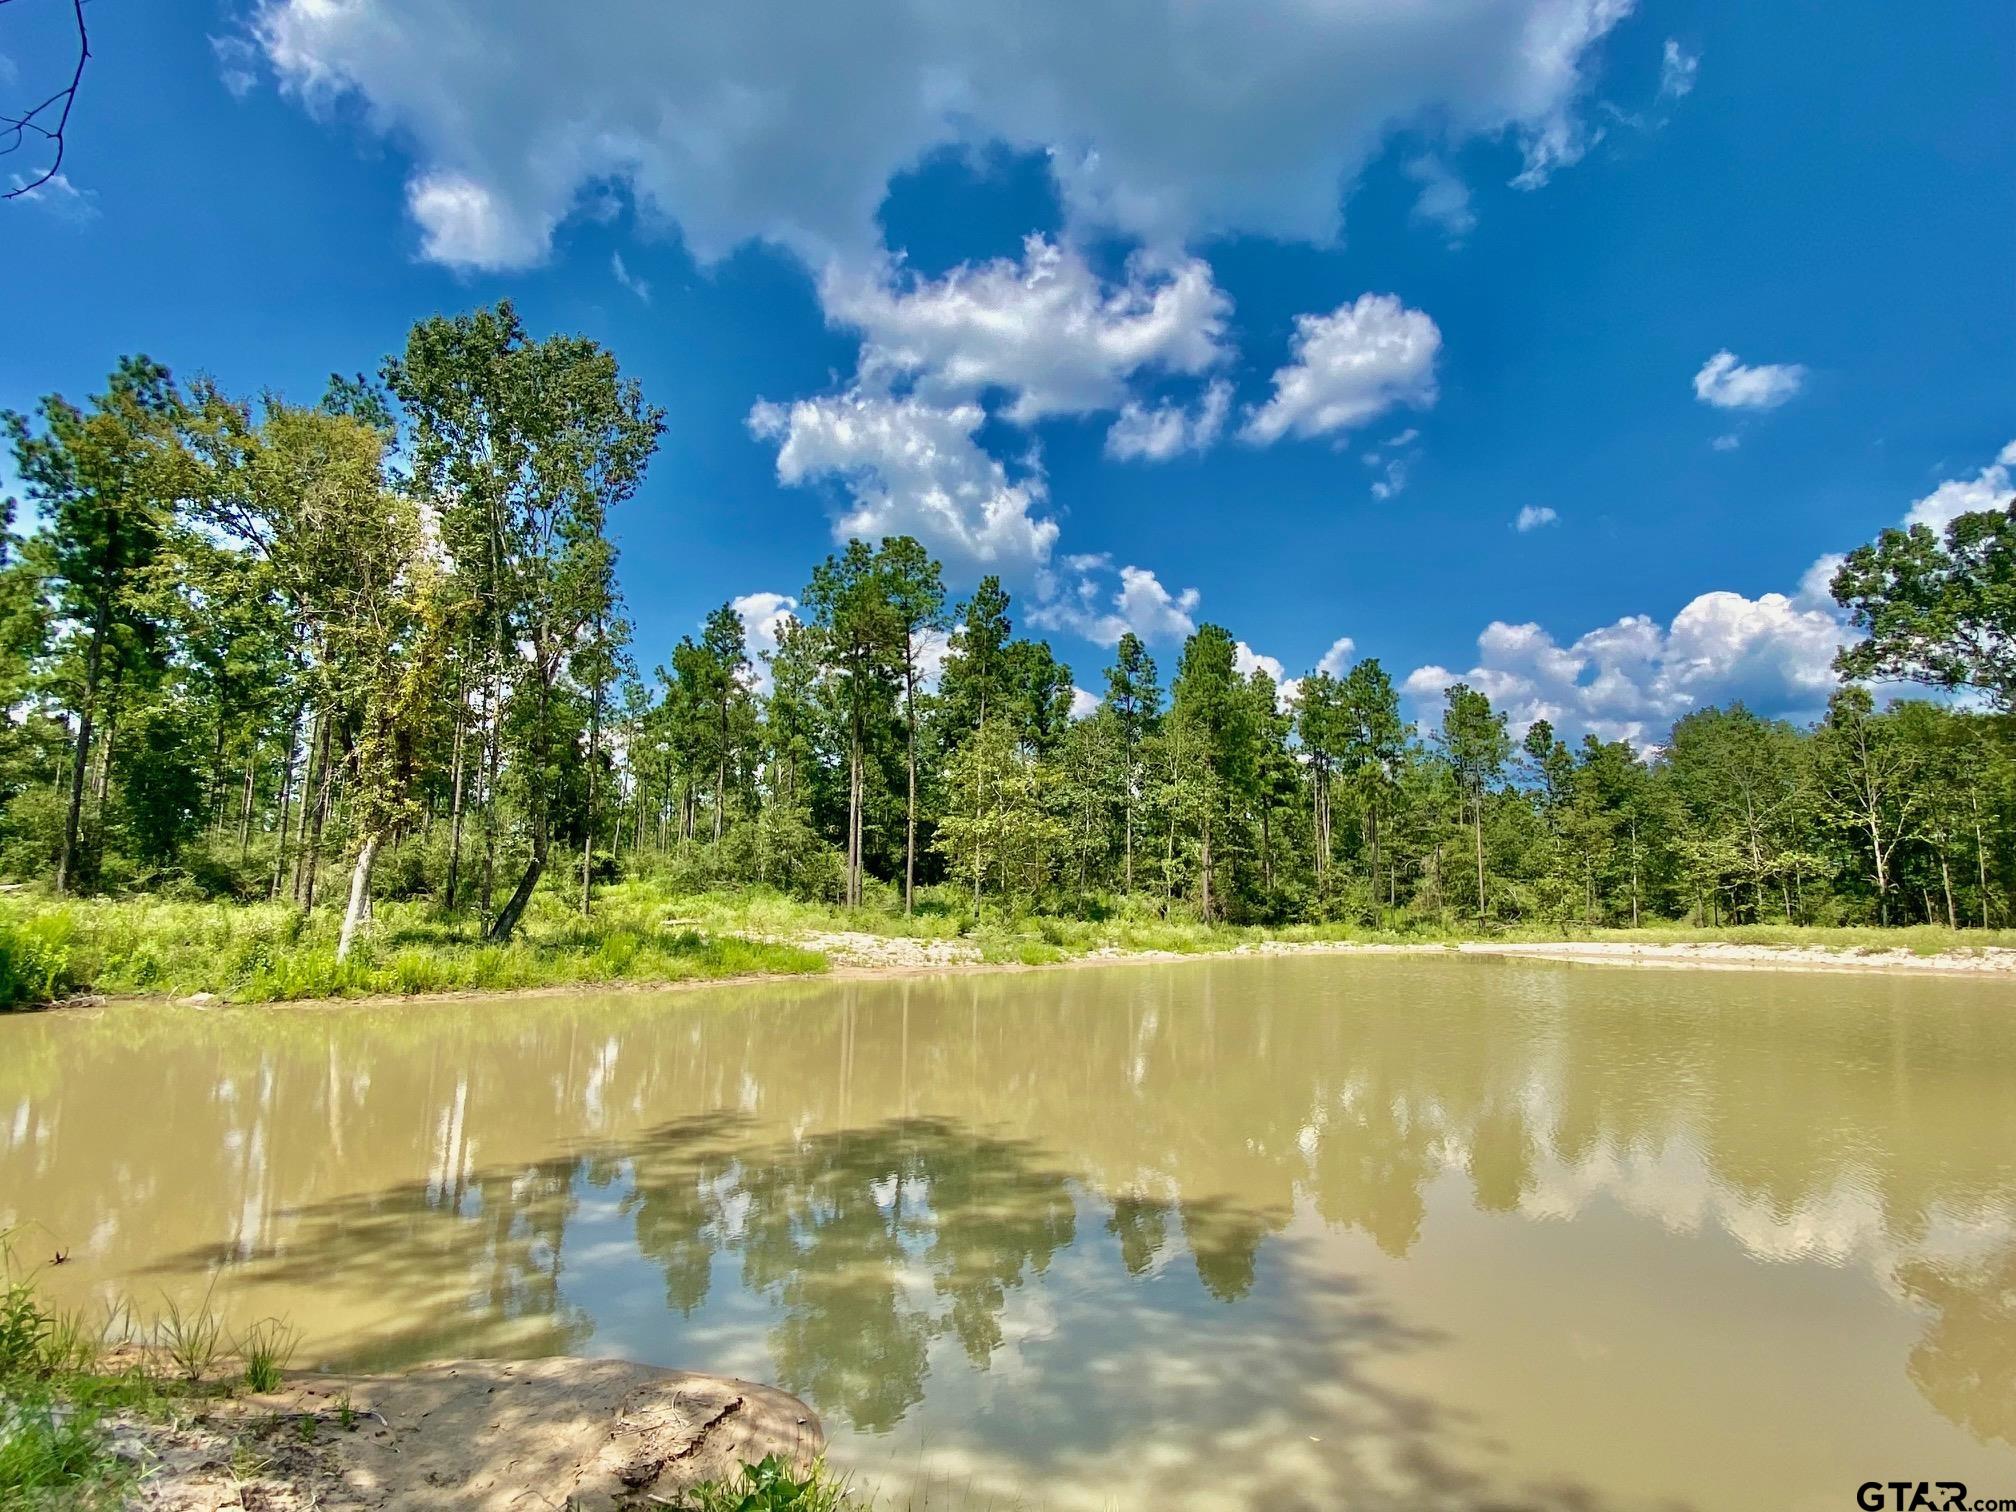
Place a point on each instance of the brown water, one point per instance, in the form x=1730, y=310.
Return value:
x=1401, y=1232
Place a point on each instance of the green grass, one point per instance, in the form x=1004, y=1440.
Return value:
x=772, y=1486
x=257, y=953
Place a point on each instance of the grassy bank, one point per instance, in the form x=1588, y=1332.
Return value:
x=643, y=932
x=262, y=953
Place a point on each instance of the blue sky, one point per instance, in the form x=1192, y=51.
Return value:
x=1324, y=299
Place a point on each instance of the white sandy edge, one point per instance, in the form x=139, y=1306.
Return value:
x=890, y=959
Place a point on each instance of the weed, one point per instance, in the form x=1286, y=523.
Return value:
x=770, y=1485
x=190, y=1341
x=266, y=1348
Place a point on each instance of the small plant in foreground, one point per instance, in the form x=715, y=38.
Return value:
x=771, y=1485
x=191, y=1341
x=267, y=1347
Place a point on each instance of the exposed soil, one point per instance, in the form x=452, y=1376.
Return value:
x=466, y=1436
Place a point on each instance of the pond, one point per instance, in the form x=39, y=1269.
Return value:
x=1262, y=1233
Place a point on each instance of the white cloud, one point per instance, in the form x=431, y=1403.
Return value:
x=465, y=224
x=779, y=121
x=1630, y=680
x=1047, y=330
x=1337, y=660
x=1726, y=383
x=1533, y=517
x=1728, y=442
x=1989, y=489
x=1677, y=68
x=1444, y=199
x=1246, y=661
x=1083, y=705
x=913, y=468
x=763, y=616
x=629, y=280
x=1093, y=606
x=1350, y=366
x=1169, y=429
x=59, y=197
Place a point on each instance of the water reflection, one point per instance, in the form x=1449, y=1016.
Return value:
x=925, y=1193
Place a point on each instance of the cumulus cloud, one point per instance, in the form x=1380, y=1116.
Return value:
x=771, y=120
x=1046, y=330
x=1350, y=366
x=1677, y=68
x=1630, y=680
x=1989, y=489
x=1247, y=661
x=1444, y=199
x=1727, y=383
x=763, y=616
x=1533, y=517
x=466, y=224
x=1102, y=605
x=1083, y=705
x=1337, y=660
x=1726, y=442
x=911, y=467
x=1169, y=429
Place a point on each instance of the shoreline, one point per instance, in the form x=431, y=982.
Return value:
x=897, y=958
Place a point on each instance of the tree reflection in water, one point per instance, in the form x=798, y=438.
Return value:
x=884, y=1169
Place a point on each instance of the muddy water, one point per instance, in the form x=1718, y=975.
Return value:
x=1250, y=1234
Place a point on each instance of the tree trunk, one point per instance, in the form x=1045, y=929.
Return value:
x=359, y=909
x=1482, y=907
x=458, y=764
x=1204, y=870
x=94, y=663
x=1980, y=857
x=286, y=797
x=910, y=800
x=314, y=779
x=588, y=822
x=521, y=895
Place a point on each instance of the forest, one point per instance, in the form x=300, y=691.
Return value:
x=371, y=655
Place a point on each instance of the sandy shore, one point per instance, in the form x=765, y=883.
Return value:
x=860, y=956
x=466, y=1436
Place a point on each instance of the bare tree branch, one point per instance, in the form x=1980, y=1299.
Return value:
x=47, y=121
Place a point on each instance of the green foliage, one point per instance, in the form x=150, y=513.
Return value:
x=266, y=1348
x=37, y=961
x=771, y=1485
x=1937, y=611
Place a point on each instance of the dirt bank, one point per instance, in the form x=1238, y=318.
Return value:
x=466, y=1436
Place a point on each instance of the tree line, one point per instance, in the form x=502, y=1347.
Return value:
x=376, y=646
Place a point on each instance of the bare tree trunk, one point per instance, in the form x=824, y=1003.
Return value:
x=359, y=908
x=1204, y=869
x=910, y=799
x=1482, y=906
x=314, y=780
x=588, y=824
x=457, y=763
x=286, y=797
